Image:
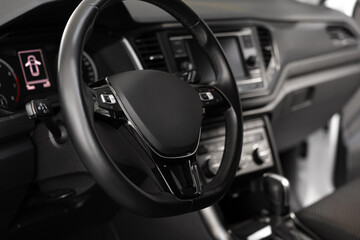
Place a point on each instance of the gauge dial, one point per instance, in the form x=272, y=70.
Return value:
x=9, y=86
x=89, y=71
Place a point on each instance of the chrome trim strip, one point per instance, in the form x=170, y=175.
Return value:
x=246, y=31
x=261, y=233
x=247, y=81
x=131, y=52
x=303, y=227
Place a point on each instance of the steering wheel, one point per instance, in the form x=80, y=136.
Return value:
x=161, y=112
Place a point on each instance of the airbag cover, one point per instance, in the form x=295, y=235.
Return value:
x=165, y=110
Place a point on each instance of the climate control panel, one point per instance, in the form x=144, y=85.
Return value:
x=256, y=153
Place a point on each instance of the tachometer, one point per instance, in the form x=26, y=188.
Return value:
x=9, y=86
x=90, y=74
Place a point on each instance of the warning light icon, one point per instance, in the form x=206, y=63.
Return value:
x=33, y=64
x=34, y=69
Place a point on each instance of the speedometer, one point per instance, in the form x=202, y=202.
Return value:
x=9, y=86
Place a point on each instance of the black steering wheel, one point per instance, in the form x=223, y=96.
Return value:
x=161, y=112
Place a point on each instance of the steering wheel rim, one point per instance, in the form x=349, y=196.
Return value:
x=78, y=114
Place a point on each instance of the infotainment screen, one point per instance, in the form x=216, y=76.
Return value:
x=232, y=51
x=34, y=69
x=233, y=54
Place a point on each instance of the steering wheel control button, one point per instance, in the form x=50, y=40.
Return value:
x=108, y=98
x=210, y=97
x=105, y=99
x=207, y=96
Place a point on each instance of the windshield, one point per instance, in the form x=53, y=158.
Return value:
x=346, y=7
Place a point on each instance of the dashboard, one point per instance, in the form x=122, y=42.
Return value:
x=255, y=50
x=295, y=66
x=279, y=69
x=29, y=70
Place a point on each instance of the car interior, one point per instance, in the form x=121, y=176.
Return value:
x=180, y=119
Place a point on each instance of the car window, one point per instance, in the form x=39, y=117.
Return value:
x=346, y=7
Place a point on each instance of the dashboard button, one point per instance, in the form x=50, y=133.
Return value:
x=178, y=47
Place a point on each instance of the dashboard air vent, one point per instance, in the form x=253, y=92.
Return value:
x=340, y=33
x=265, y=45
x=152, y=57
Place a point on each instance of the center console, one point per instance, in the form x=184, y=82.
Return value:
x=257, y=204
x=277, y=222
x=257, y=153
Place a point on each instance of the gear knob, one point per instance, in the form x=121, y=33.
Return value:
x=276, y=189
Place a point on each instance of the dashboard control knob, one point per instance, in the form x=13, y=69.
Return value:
x=186, y=66
x=211, y=166
x=202, y=150
x=258, y=159
x=251, y=62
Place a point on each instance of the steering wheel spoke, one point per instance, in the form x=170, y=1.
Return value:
x=181, y=177
x=105, y=105
x=178, y=175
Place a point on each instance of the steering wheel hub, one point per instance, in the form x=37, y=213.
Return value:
x=164, y=110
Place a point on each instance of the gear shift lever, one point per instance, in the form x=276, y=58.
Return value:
x=276, y=189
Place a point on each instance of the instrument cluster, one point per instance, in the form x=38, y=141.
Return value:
x=28, y=73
